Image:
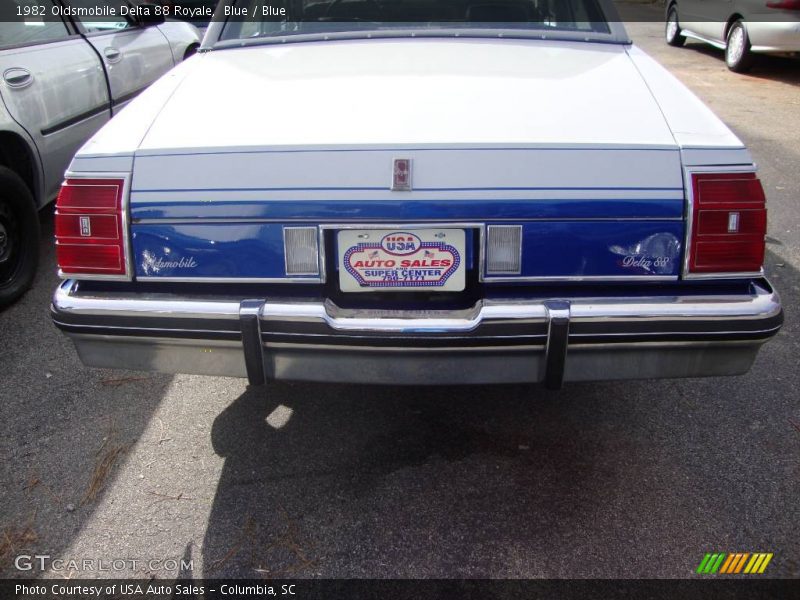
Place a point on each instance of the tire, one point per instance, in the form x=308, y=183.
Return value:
x=672, y=29
x=19, y=237
x=190, y=51
x=738, y=55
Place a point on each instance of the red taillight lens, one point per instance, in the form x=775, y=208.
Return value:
x=729, y=222
x=89, y=227
x=80, y=258
x=784, y=4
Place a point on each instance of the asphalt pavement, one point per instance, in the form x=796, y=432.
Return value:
x=628, y=479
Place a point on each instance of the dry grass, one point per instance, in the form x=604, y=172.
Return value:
x=288, y=541
x=33, y=481
x=122, y=381
x=162, y=497
x=109, y=453
x=162, y=437
x=245, y=535
x=15, y=539
x=285, y=547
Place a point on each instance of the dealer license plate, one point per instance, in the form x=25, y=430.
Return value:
x=372, y=260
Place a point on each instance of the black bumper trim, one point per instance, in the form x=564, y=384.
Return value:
x=250, y=322
x=557, y=342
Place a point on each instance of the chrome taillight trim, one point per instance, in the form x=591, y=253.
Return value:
x=689, y=220
x=126, y=225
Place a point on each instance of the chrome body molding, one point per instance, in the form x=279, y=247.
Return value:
x=524, y=339
x=702, y=38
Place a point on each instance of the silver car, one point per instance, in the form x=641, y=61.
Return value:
x=742, y=28
x=62, y=76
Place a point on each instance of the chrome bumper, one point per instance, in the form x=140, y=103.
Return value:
x=509, y=341
x=774, y=36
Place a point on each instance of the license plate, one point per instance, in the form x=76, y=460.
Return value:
x=372, y=260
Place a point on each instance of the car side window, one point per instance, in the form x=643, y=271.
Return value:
x=93, y=23
x=23, y=22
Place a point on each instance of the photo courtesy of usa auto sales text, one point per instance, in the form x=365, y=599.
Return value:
x=148, y=590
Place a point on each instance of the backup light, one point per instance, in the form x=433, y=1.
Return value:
x=729, y=223
x=89, y=225
x=503, y=249
x=301, y=249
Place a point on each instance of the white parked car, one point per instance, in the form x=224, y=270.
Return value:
x=63, y=77
x=742, y=28
x=475, y=192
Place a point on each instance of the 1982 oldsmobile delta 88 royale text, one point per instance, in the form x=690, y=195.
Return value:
x=486, y=192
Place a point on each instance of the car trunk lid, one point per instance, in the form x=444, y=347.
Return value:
x=560, y=138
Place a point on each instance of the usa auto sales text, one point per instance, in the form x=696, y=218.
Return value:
x=138, y=589
x=132, y=11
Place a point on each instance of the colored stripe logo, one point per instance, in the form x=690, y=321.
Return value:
x=734, y=563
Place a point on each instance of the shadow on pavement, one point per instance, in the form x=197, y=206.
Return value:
x=626, y=479
x=317, y=476
x=66, y=429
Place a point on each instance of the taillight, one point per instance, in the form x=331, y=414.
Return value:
x=90, y=234
x=729, y=223
x=784, y=4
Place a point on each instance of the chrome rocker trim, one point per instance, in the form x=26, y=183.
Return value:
x=508, y=341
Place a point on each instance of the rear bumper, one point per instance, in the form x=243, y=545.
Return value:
x=513, y=341
x=774, y=36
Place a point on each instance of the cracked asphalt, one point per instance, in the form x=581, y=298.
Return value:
x=630, y=479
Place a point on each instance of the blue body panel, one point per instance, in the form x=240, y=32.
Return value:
x=223, y=250
x=601, y=248
x=341, y=211
x=609, y=248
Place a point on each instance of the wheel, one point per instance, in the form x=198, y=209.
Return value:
x=19, y=237
x=190, y=51
x=672, y=29
x=738, y=55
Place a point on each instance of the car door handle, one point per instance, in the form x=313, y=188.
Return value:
x=112, y=54
x=17, y=77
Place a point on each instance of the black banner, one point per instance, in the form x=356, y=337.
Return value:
x=393, y=589
x=542, y=14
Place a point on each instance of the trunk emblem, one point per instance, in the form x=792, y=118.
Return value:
x=401, y=179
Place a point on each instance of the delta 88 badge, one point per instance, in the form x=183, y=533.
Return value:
x=384, y=260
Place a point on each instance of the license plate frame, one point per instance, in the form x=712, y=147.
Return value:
x=415, y=259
